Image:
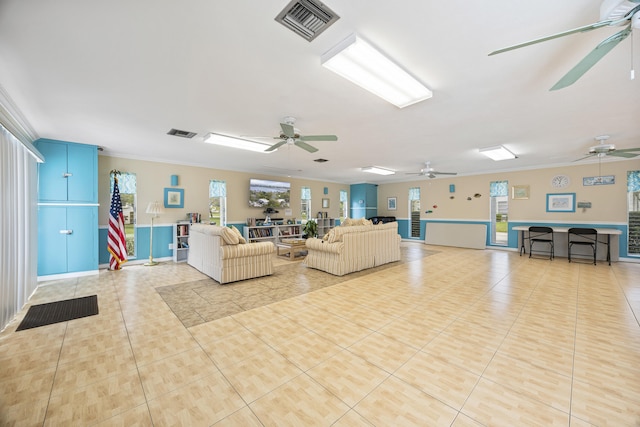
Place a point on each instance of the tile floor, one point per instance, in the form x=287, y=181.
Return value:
x=458, y=338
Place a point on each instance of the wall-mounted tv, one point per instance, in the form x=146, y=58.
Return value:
x=264, y=193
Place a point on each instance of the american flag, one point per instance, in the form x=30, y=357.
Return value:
x=117, y=245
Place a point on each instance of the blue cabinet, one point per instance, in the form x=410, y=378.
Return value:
x=69, y=173
x=67, y=208
x=67, y=239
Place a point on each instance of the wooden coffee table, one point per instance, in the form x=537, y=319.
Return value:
x=292, y=246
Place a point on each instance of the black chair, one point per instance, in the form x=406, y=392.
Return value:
x=541, y=235
x=583, y=237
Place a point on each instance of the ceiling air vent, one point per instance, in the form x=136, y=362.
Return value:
x=181, y=133
x=307, y=18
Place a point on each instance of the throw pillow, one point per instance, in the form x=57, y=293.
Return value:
x=241, y=238
x=229, y=237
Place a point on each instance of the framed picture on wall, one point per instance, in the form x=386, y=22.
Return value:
x=520, y=192
x=391, y=203
x=174, y=198
x=561, y=202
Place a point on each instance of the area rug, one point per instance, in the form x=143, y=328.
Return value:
x=206, y=300
x=59, y=311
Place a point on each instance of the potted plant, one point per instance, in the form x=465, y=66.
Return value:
x=310, y=229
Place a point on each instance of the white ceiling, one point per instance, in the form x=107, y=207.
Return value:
x=120, y=74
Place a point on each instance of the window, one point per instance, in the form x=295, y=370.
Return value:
x=499, y=211
x=633, y=204
x=414, y=209
x=217, y=202
x=305, y=204
x=128, y=188
x=344, y=205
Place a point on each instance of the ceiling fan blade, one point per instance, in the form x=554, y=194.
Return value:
x=585, y=157
x=620, y=153
x=276, y=145
x=627, y=150
x=582, y=29
x=445, y=173
x=318, y=138
x=288, y=130
x=305, y=146
x=592, y=58
x=431, y=175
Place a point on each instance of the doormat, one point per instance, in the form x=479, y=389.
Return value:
x=59, y=311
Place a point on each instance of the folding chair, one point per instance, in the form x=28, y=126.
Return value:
x=541, y=236
x=583, y=237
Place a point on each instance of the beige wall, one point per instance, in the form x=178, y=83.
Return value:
x=609, y=202
x=153, y=178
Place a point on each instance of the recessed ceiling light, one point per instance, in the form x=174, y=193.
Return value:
x=377, y=170
x=233, y=142
x=497, y=153
x=358, y=61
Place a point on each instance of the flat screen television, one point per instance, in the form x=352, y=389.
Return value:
x=264, y=193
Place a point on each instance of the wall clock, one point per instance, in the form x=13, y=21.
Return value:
x=560, y=181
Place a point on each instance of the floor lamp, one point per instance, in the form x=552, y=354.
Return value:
x=155, y=209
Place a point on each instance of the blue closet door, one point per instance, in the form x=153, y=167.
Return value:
x=82, y=184
x=52, y=185
x=82, y=243
x=52, y=245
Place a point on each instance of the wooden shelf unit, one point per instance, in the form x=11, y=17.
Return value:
x=181, y=232
x=271, y=233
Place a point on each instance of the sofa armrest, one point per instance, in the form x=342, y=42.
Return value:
x=247, y=250
x=321, y=245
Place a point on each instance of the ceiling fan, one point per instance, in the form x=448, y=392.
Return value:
x=603, y=149
x=612, y=13
x=429, y=171
x=291, y=136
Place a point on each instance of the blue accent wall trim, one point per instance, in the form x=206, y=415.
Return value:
x=162, y=237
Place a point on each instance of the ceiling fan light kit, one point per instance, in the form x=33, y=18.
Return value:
x=233, y=142
x=359, y=62
x=377, y=170
x=497, y=153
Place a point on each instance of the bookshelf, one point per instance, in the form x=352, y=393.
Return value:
x=272, y=233
x=181, y=241
x=324, y=225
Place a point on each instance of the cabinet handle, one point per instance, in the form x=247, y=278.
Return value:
x=67, y=175
x=66, y=231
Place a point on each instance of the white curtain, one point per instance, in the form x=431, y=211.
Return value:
x=18, y=226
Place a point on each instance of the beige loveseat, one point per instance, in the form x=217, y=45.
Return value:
x=346, y=249
x=218, y=252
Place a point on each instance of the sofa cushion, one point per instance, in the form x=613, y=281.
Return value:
x=335, y=234
x=228, y=236
x=241, y=238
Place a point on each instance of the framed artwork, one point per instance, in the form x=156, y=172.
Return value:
x=391, y=203
x=599, y=180
x=561, y=202
x=174, y=198
x=520, y=192
x=325, y=203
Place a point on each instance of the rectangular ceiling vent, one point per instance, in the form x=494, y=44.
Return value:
x=307, y=18
x=181, y=133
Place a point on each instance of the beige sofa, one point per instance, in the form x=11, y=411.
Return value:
x=346, y=249
x=219, y=252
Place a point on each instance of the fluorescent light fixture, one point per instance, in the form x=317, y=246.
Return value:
x=377, y=170
x=497, y=153
x=357, y=61
x=233, y=142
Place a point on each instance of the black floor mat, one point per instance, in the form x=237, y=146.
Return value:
x=59, y=311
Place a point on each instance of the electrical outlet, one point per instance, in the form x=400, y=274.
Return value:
x=170, y=246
